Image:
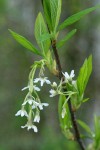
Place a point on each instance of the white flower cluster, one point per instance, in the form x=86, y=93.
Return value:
x=58, y=89
x=32, y=105
x=68, y=79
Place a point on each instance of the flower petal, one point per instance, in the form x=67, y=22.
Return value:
x=36, y=80
x=18, y=113
x=27, y=87
x=45, y=104
x=66, y=75
x=72, y=74
x=47, y=81
x=40, y=106
x=36, y=88
x=24, y=126
x=34, y=128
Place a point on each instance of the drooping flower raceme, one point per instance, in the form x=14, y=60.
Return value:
x=32, y=101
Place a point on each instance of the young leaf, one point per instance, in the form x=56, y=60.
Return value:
x=72, y=19
x=84, y=75
x=41, y=29
x=52, y=11
x=24, y=42
x=85, y=126
x=66, y=38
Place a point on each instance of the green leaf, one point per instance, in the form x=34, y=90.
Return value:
x=84, y=75
x=97, y=127
x=89, y=70
x=85, y=126
x=85, y=100
x=97, y=132
x=52, y=11
x=40, y=30
x=24, y=42
x=66, y=38
x=45, y=37
x=72, y=19
x=66, y=121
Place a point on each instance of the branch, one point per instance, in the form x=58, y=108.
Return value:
x=73, y=117
x=60, y=76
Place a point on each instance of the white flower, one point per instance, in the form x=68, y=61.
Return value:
x=69, y=77
x=42, y=80
x=30, y=101
x=54, y=84
x=37, y=117
x=21, y=113
x=53, y=93
x=34, y=87
x=30, y=126
x=63, y=112
x=40, y=105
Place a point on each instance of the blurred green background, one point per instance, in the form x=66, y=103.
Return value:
x=15, y=62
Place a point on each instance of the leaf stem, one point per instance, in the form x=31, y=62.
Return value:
x=73, y=117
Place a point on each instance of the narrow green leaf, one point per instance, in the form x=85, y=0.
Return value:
x=24, y=42
x=52, y=11
x=84, y=75
x=47, y=13
x=40, y=30
x=72, y=19
x=66, y=38
x=58, y=13
x=89, y=70
x=85, y=126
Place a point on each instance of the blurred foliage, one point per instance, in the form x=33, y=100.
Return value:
x=14, y=68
